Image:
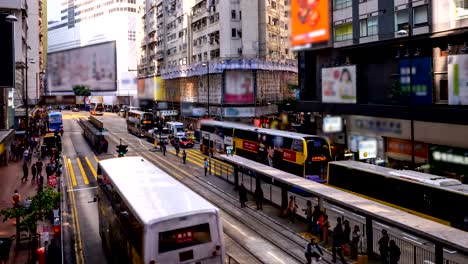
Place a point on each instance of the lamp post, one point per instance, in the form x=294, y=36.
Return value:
x=207, y=65
x=26, y=101
x=410, y=102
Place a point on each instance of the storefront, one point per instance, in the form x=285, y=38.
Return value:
x=399, y=153
x=6, y=137
x=449, y=162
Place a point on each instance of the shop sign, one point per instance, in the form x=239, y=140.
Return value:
x=368, y=149
x=386, y=127
x=402, y=146
x=228, y=140
x=448, y=155
x=289, y=155
x=168, y=112
x=239, y=112
x=252, y=146
x=332, y=124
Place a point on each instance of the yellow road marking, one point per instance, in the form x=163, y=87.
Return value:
x=83, y=174
x=199, y=163
x=72, y=172
x=95, y=158
x=91, y=167
x=153, y=159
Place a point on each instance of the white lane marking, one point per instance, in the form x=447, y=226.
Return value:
x=81, y=189
x=275, y=257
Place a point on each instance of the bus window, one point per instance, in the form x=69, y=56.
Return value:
x=184, y=237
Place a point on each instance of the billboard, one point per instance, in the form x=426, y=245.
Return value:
x=239, y=87
x=422, y=79
x=145, y=88
x=310, y=22
x=7, y=67
x=93, y=66
x=458, y=79
x=339, y=84
x=159, y=91
x=332, y=124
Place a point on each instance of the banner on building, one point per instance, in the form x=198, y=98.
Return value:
x=239, y=87
x=332, y=124
x=310, y=22
x=93, y=66
x=421, y=81
x=458, y=79
x=160, y=90
x=339, y=84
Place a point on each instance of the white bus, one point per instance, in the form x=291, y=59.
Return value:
x=146, y=216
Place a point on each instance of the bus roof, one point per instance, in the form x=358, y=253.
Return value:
x=175, y=123
x=152, y=194
x=224, y=124
x=55, y=113
x=408, y=175
x=139, y=112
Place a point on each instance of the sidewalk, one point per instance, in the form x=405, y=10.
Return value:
x=10, y=179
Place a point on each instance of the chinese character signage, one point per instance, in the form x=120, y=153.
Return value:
x=422, y=79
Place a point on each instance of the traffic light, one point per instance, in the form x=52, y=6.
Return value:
x=56, y=133
x=121, y=150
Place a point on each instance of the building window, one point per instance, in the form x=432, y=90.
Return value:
x=273, y=4
x=240, y=15
x=369, y=27
x=401, y=20
x=233, y=14
x=461, y=8
x=344, y=32
x=420, y=16
x=340, y=4
x=233, y=32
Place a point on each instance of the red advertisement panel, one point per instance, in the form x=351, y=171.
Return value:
x=252, y=146
x=310, y=21
x=289, y=155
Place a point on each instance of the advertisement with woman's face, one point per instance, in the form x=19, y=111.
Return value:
x=239, y=87
x=339, y=84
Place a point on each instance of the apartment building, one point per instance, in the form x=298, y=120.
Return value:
x=27, y=38
x=76, y=24
x=411, y=114
x=233, y=54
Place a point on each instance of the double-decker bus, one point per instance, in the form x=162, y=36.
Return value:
x=55, y=121
x=140, y=123
x=434, y=197
x=142, y=221
x=296, y=153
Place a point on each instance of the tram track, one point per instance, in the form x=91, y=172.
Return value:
x=227, y=204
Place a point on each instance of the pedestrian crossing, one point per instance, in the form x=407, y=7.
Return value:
x=197, y=158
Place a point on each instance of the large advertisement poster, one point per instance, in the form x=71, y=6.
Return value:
x=7, y=65
x=159, y=91
x=93, y=66
x=458, y=79
x=310, y=21
x=422, y=79
x=339, y=84
x=239, y=87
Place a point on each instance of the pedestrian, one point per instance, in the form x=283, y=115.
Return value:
x=25, y=172
x=316, y=214
x=338, y=241
x=16, y=199
x=184, y=156
x=163, y=146
x=356, y=238
x=346, y=232
x=177, y=149
x=26, y=154
x=41, y=182
x=205, y=165
x=48, y=169
x=312, y=250
x=39, y=166
x=259, y=197
x=394, y=252
x=33, y=172
x=383, y=246
x=242, y=195
x=30, y=153
x=292, y=208
x=309, y=215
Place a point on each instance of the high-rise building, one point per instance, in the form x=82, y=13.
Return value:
x=233, y=54
x=27, y=39
x=84, y=23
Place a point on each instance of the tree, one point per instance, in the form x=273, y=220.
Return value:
x=40, y=207
x=81, y=90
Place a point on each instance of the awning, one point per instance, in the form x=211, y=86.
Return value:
x=404, y=157
x=6, y=137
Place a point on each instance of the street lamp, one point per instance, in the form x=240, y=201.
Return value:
x=408, y=33
x=207, y=65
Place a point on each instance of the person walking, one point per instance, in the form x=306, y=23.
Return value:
x=292, y=208
x=33, y=172
x=338, y=242
x=16, y=199
x=48, y=170
x=259, y=198
x=325, y=228
x=205, y=165
x=242, y=195
x=312, y=250
x=184, y=156
x=26, y=154
x=309, y=216
x=356, y=238
x=25, y=171
x=316, y=214
x=346, y=232
x=394, y=252
x=383, y=246
x=177, y=149
x=39, y=166
x=163, y=146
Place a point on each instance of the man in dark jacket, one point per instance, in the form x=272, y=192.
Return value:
x=242, y=195
x=338, y=242
x=383, y=246
x=259, y=198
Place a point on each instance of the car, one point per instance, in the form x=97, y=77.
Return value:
x=75, y=109
x=184, y=142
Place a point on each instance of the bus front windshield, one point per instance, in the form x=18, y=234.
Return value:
x=147, y=121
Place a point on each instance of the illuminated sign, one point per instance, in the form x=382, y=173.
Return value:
x=368, y=149
x=310, y=22
x=450, y=158
x=332, y=124
x=252, y=146
x=289, y=155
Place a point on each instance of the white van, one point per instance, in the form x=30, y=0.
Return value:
x=176, y=128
